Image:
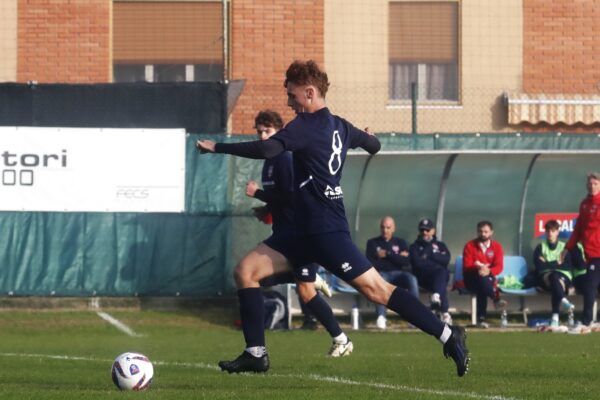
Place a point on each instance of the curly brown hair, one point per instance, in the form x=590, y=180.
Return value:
x=307, y=73
x=269, y=119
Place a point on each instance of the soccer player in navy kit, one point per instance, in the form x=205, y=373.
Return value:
x=320, y=141
x=278, y=187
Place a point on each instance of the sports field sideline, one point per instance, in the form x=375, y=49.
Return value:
x=68, y=355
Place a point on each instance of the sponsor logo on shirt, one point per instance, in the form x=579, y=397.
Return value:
x=346, y=267
x=304, y=271
x=395, y=249
x=335, y=193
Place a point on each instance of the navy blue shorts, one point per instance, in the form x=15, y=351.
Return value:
x=287, y=245
x=335, y=251
x=307, y=273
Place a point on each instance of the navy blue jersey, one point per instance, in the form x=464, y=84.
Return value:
x=278, y=185
x=320, y=142
x=427, y=256
x=393, y=260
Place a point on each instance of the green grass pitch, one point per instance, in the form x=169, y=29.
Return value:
x=68, y=355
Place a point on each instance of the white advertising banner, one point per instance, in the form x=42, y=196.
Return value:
x=92, y=169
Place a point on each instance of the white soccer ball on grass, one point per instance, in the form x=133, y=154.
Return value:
x=132, y=371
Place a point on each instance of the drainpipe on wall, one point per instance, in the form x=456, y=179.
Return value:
x=413, y=98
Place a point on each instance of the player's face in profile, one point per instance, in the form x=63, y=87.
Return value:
x=265, y=132
x=484, y=233
x=297, y=97
x=593, y=186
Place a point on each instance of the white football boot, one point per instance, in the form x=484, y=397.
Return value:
x=341, y=349
x=322, y=285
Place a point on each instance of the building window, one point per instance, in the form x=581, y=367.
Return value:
x=169, y=73
x=423, y=48
x=162, y=41
x=128, y=73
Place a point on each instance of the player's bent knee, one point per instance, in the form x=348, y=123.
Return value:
x=246, y=275
x=306, y=291
x=372, y=285
x=379, y=294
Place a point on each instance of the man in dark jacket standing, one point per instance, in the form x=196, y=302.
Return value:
x=429, y=258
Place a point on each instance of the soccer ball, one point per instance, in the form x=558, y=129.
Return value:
x=132, y=371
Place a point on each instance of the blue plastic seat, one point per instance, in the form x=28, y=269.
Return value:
x=516, y=266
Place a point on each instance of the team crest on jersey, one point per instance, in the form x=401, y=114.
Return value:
x=395, y=249
x=335, y=193
x=489, y=253
x=270, y=171
x=346, y=267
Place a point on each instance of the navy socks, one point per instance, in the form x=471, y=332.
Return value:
x=323, y=313
x=414, y=312
x=252, y=312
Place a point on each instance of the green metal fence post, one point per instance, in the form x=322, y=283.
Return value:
x=413, y=97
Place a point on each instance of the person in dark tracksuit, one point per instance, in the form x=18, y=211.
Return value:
x=429, y=258
x=389, y=255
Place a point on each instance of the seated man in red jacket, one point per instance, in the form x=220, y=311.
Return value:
x=483, y=260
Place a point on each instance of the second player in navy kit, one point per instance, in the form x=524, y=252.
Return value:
x=320, y=141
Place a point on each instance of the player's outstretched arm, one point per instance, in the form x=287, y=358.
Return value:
x=369, y=142
x=258, y=149
x=366, y=140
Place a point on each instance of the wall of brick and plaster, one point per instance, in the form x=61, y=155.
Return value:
x=64, y=41
x=561, y=52
x=267, y=35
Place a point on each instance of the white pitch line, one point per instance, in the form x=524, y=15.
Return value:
x=403, y=388
x=314, y=377
x=116, y=323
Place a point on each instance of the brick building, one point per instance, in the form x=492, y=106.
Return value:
x=479, y=65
